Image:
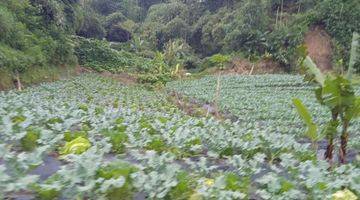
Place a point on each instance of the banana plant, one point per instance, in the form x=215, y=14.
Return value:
x=337, y=93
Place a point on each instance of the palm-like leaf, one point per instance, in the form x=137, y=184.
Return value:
x=312, y=71
x=354, y=54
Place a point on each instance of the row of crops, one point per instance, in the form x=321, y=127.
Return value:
x=94, y=138
x=262, y=101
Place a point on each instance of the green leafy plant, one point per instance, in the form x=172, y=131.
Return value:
x=118, y=138
x=236, y=183
x=29, y=141
x=337, y=93
x=114, y=171
x=312, y=128
x=220, y=60
x=157, y=144
x=76, y=146
x=69, y=136
x=183, y=190
x=47, y=194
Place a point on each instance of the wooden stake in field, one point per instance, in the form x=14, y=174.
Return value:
x=217, y=96
x=18, y=82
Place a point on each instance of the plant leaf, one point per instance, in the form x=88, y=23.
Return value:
x=305, y=115
x=337, y=92
x=312, y=71
x=354, y=54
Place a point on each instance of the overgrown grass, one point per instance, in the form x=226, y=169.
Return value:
x=35, y=75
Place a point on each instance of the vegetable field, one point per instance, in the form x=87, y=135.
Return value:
x=93, y=138
x=261, y=101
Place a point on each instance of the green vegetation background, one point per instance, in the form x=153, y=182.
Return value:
x=41, y=39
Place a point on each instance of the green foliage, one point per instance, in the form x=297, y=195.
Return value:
x=220, y=60
x=341, y=20
x=34, y=35
x=267, y=129
x=304, y=113
x=100, y=56
x=236, y=183
x=69, y=136
x=105, y=7
x=116, y=170
x=157, y=144
x=47, y=194
x=336, y=92
x=30, y=141
x=179, y=52
x=118, y=137
x=183, y=190
x=118, y=34
x=114, y=19
x=91, y=27
x=354, y=55
x=77, y=146
x=312, y=72
x=248, y=31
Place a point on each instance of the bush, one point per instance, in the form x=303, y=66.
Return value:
x=99, y=56
x=33, y=36
x=91, y=28
x=341, y=18
x=114, y=19
x=219, y=60
x=118, y=34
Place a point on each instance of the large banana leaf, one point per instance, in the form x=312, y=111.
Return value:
x=354, y=54
x=312, y=71
x=337, y=92
x=305, y=115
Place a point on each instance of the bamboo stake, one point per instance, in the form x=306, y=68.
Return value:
x=252, y=69
x=277, y=17
x=217, y=96
x=282, y=10
x=18, y=82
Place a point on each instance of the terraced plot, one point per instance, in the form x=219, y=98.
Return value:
x=93, y=138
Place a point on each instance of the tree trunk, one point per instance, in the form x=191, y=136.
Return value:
x=344, y=140
x=217, y=96
x=330, y=150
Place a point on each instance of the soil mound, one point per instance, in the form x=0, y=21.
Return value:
x=318, y=43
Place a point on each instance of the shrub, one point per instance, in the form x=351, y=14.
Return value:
x=114, y=19
x=99, y=56
x=118, y=34
x=219, y=60
x=91, y=28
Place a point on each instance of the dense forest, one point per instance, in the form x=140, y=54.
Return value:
x=179, y=99
x=40, y=36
